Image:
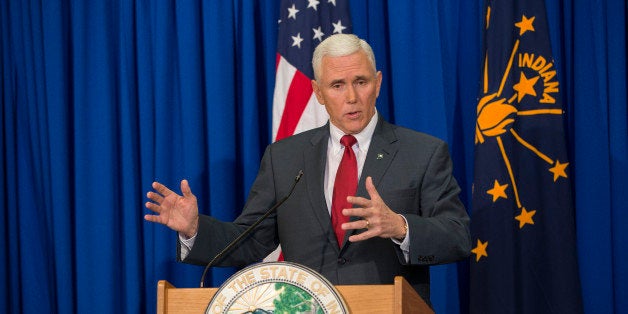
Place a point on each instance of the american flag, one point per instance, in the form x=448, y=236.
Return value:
x=303, y=24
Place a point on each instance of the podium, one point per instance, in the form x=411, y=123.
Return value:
x=399, y=297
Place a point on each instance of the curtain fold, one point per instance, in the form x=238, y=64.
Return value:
x=600, y=148
x=101, y=98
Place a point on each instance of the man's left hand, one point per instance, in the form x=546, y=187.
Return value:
x=377, y=218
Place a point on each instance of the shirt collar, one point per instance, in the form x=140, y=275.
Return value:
x=364, y=137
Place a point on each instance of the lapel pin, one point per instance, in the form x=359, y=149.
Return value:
x=380, y=156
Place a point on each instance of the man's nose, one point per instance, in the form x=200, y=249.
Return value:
x=351, y=95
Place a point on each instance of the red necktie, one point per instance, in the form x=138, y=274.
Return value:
x=346, y=184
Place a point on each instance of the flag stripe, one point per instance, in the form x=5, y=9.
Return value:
x=283, y=79
x=298, y=96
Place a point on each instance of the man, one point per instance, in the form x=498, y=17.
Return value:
x=405, y=215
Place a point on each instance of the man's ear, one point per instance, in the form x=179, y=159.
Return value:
x=317, y=92
x=379, y=82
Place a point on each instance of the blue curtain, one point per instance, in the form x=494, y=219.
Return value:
x=100, y=98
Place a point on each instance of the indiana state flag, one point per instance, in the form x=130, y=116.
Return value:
x=523, y=228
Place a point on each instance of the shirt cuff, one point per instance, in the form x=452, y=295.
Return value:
x=405, y=244
x=186, y=245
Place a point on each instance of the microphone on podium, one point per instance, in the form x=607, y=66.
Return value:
x=249, y=229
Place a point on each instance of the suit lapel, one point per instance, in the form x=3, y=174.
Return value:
x=380, y=155
x=315, y=160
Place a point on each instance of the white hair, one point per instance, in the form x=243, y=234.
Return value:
x=340, y=45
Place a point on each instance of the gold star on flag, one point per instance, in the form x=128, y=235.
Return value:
x=498, y=191
x=525, y=86
x=525, y=25
x=525, y=217
x=559, y=170
x=480, y=250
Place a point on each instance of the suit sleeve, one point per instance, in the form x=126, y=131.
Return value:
x=439, y=232
x=214, y=235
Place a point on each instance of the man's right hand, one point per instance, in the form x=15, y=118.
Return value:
x=179, y=213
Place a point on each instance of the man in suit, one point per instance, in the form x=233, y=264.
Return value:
x=405, y=213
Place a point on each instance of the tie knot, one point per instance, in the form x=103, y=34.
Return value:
x=348, y=140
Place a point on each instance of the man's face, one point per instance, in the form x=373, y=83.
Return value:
x=348, y=88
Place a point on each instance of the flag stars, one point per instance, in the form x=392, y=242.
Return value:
x=313, y=4
x=498, y=191
x=559, y=170
x=525, y=25
x=525, y=86
x=296, y=40
x=480, y=250
x=525, y=217
x=318, y=33
x=332, y=2
x=292, y=12
x=338, y=28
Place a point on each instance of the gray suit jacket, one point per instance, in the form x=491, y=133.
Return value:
x=412, y=172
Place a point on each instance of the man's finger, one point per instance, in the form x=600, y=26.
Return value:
x=154, y=207
x=153, y=218
x=162, y=189
x=356, y=211
x=362, y=236
x=155, y=197
x=360, y=201
x=185, y=188
x=358, y=224
x=370, y=188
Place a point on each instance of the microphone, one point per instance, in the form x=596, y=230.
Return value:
x=250, y=228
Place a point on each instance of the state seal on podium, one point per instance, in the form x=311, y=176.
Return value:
x=277, y=287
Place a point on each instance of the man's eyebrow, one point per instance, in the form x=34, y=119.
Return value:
x=337, y=81
x=362, y=77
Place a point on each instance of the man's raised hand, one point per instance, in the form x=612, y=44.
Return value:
x=179, y=213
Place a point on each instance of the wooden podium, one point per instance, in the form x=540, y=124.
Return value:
x=399, y=297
